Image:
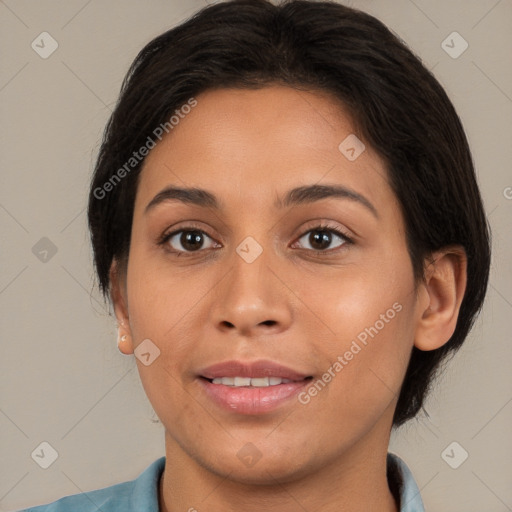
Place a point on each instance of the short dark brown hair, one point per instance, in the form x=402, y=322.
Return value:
x=395, y=102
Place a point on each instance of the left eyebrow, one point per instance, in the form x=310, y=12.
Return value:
x=299, y=195
x=312, y=193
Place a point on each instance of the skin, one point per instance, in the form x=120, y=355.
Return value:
x=249, y=147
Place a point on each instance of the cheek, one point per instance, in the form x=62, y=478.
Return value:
x=363, y=370
x=370, y=319
x=167, y=306
x=160, y=293
x=355, y=299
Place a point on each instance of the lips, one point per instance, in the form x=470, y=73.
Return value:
x=241, y=388
x=254, y=370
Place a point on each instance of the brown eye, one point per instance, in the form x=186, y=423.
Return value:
x=190, y=240
x=320, y=238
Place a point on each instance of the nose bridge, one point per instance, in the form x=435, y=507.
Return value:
x=251, y=294
x=251, y=276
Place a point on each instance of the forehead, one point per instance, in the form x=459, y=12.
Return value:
x=256, y=143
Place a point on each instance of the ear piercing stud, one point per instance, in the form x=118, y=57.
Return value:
x=122, y=339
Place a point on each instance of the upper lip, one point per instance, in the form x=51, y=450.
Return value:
x=255, y=369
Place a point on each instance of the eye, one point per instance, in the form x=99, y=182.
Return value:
x=320, y=237
x=191, y=240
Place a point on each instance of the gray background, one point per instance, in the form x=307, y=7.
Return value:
x=62, y=378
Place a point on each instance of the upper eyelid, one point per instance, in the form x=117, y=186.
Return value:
x=318, y=226
x=310, y=225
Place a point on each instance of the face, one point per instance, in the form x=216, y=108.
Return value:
x=318, y=282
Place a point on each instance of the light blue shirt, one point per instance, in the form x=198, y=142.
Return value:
x=141, y=494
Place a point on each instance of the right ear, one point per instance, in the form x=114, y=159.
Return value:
x=119, y=300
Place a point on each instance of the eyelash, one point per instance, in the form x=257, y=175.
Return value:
x=321, y=227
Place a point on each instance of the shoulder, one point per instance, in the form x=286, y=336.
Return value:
x=92, y=501
x=138, y=494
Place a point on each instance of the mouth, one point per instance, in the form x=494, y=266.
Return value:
x=251, y=388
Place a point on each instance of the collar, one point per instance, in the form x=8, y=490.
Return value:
x=403, y=485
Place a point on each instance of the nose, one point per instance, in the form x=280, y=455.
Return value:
x=252, y=299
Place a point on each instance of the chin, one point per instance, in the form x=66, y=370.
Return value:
x=266, y=470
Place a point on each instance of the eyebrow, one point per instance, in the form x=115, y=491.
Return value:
x=296, y=196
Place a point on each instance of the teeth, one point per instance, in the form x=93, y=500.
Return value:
x=259, y=382
x=242, y=381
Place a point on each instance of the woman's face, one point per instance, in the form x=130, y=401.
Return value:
x=262, y=277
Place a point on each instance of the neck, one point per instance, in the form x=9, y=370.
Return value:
x=354, y=481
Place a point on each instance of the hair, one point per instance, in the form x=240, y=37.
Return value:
x=395, y=102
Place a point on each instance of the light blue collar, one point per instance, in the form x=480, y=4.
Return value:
x=410, y=497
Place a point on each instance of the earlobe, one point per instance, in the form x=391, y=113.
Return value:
x=445, y=285
x=124, y=343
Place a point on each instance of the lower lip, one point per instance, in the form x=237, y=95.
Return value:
x=252, y=400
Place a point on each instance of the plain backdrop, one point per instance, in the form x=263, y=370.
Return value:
x=62, y=379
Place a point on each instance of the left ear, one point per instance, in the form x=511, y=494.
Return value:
x=443, y=290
